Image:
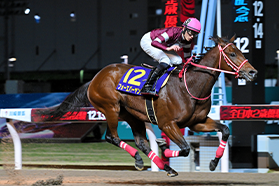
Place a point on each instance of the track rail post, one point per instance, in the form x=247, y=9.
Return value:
x=153, y=144
x=17, y=144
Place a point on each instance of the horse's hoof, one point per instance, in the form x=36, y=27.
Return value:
x=172, y=173
x=139, y=166
x=212, y=165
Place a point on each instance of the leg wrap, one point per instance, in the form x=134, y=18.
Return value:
x=132, y=151
x=225, y=133
x=171, y=153
x=156, y=160
x=221, y=148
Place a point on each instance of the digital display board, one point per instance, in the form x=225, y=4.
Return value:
x=85, y=114
x=255, y=112
x=248, y=25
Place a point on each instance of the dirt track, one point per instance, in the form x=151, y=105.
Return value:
x=133, y=178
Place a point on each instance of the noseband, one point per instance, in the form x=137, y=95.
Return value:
x=227, y=60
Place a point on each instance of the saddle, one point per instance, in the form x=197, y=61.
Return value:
x=134, y=79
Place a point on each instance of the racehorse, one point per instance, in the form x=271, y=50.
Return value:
x=180, y=103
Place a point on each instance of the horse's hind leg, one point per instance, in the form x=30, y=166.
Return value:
x=113, y=138
x=139, y=132
x=210, y=126
x=139, y=165
x=103, y=95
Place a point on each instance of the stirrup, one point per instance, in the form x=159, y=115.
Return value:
x=148, y=90
x=149, y=93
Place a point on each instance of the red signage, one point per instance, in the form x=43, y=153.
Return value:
x=171, y=7
x=85, y=114
x=257, y=112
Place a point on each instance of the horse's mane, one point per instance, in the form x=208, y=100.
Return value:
x=217, y=40
x=199, y=57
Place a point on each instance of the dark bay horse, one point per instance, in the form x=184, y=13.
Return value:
x=179, y=104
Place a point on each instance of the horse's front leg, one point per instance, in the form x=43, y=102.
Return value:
x=210, y=126
x=173, y=132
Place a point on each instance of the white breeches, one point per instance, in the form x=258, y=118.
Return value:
x=169, y=57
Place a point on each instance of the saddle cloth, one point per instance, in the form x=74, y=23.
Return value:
x=134, y=79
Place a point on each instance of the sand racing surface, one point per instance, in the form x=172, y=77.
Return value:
x=38, y=177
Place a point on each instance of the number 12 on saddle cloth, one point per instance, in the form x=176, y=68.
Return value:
x=134, y=79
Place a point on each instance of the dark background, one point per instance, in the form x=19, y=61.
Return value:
x=50, y=54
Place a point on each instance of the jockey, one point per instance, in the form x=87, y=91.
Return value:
x=163, y=44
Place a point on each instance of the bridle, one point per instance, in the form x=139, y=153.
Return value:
x=227, y=60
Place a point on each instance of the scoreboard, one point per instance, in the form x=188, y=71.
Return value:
x=248, y=25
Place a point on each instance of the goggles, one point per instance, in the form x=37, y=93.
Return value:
x=192, y=33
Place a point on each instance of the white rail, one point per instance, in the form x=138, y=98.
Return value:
x=24, y=114
x=17, y=145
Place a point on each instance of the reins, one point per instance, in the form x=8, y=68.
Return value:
x=227, y=60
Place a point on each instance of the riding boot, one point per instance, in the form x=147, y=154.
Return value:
x=153, y=77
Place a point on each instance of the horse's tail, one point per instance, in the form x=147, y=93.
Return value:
x=72, y=103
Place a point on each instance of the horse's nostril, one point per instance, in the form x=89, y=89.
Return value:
x=253, y=73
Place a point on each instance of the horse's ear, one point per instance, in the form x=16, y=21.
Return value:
x=215, y=39
x=232, y=39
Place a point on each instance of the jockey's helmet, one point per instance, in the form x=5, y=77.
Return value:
x=192, y=24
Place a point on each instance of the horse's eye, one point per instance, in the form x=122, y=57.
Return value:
x=233, y=54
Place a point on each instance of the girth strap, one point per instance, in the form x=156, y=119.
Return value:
x=150, y=111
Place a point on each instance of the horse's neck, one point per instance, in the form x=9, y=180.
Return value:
x=211, y=58
x=203, y=80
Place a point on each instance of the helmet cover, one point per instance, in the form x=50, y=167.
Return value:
x=192, y=24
